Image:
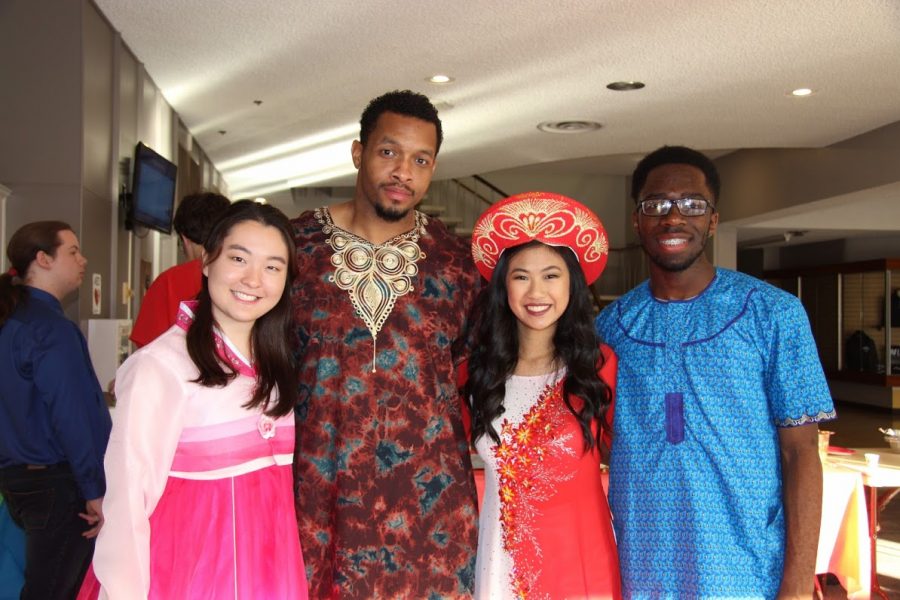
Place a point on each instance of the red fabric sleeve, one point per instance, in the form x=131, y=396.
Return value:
x=159, y=308
x=462, y=376
x=152, y=317
x=608, y=375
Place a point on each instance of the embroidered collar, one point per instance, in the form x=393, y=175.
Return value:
x=323, y=216
x=691, y=299
x=227, y=351
x=374, y=276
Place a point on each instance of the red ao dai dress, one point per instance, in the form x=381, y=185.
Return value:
x=545, y=530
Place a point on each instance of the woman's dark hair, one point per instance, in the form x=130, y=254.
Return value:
x=575, y=345
x=23, y=247
x=269, y=340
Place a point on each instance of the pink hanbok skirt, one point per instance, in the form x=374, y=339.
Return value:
x=224, y=538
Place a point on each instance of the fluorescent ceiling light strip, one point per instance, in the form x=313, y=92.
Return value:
x=260, y=191
x=322, y=176
x=346, y=134
x=297, y=182
x=296, y=165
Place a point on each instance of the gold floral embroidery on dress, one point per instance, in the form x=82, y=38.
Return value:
x=373, y=275
x=524, y=480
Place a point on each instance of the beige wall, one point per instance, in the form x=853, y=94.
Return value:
x=75, y=103
x=757, y=181
x=98, y=197
x=853, y=181
x=41, y=115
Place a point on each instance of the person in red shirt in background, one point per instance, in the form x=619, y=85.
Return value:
x=195, y=216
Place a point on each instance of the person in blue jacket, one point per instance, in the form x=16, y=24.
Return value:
x=54, y=423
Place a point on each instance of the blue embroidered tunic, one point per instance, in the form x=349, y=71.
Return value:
x=695, y=475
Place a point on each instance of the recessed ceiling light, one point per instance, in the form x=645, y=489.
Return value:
x=568, y=126
x=260, y=200
x=801, y=92
x=440, y=79
x=624, y=86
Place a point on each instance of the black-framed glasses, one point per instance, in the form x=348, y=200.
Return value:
x=688, y=207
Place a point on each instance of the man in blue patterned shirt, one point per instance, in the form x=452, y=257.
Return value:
x=715, y=480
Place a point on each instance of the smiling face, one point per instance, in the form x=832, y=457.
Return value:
x=395, y=166
x=248, y=277
x=537, y=285
x=673, y=242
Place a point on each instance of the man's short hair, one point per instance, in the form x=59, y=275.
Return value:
x=675, y=155
x=197, y=213
x=401, y=102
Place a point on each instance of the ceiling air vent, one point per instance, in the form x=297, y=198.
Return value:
x=568, y=126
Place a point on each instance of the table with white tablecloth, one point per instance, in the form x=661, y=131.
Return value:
x=882, y=484
x=844, y=545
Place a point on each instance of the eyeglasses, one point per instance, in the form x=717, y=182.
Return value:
x=688, y=207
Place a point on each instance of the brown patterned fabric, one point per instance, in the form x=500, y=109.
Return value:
x=385, y=496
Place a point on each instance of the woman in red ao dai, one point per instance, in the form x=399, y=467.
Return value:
x=540, y=387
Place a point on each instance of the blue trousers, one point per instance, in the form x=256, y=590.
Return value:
x=45, y=501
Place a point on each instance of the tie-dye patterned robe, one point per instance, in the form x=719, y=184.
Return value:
x=385, y=497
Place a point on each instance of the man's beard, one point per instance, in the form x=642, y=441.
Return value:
x=390, y=215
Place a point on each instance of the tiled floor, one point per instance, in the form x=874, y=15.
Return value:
x=857, y=427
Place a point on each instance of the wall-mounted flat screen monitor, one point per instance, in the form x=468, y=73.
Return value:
x=152, y=190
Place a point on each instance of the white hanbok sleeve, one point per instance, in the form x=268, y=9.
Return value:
x=148, y=420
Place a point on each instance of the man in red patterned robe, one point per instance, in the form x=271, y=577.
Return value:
x=385, y=497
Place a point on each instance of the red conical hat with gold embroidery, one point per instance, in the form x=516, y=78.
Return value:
x=550, y=218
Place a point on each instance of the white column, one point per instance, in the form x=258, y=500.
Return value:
x=725, y=247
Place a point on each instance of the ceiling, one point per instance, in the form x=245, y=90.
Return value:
x=718, y=76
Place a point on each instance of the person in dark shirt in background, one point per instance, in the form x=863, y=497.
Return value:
x=54, y=423
x=195, y=216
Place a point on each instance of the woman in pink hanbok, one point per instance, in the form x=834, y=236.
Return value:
x=199, y=500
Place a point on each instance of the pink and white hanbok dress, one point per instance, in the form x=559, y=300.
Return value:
x=199, y=500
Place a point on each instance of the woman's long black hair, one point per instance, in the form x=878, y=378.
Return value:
x=575, y=345
x=271, y=334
